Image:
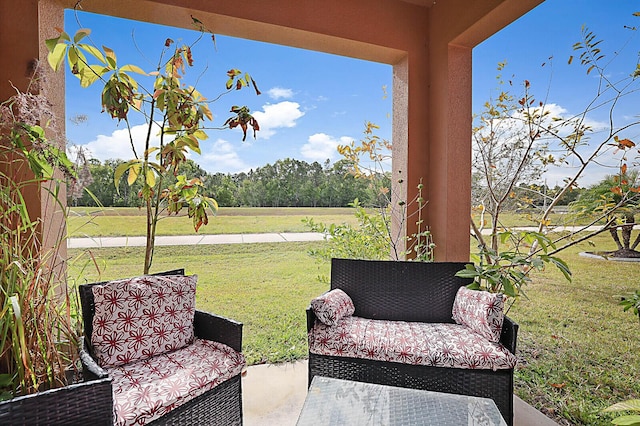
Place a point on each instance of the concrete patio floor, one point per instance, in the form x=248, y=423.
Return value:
x=273, y=395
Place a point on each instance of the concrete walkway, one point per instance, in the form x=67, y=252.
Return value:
x=200, y=239
x=273, y=395
x=190, y=240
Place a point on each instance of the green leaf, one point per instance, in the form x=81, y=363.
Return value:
x=64, y=36
x=117, y=174
x=632, y=420
x=134, y=172
x=56, y=56
x=474, y=286
x=213, y=204
x=93, y=51
x=504, y=236
x=51, y=43
x=80, y=34
x=91, y=74
x=201, y=134
x=562, y=266
x=630, y=405
x=5, y=380
x=111, y=57
x=133, y=68
x=508, y=287
x=72, y=58
x=151, y=178
x=468, y=273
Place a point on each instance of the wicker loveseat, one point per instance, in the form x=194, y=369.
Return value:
x=412, y=296
x=196, y=382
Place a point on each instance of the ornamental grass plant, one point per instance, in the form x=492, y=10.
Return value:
x=38, y=338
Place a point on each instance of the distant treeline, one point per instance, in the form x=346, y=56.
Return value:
x=286, y=183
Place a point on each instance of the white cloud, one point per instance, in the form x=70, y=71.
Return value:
x=557, y=111
x=514, y=128
x=221, y=157
x=278, y=93
x=276, y=116
x=321, y=146
x=118, y=145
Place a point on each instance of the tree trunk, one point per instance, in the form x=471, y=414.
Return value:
x=635, y=242
x=616, y=238
x=626, y=230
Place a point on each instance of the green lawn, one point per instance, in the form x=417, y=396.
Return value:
x=127, y=222
x=578, y=350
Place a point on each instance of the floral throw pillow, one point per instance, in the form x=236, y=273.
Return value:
x=141, y=317
x=481, y=311
x=332, y=306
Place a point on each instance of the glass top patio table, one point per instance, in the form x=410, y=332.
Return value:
x=343, y=402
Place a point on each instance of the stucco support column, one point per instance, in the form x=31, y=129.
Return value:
x=25, y=26
x=449, y=167
x=432, y=144
x=51, y=16
x=400, y=164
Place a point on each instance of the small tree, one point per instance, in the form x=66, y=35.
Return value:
x=523, y=136
x=617, y=199
x=173, y=111
x=375, y=238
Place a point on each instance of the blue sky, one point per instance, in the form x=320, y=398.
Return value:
x=312, y=102
x=537, y=47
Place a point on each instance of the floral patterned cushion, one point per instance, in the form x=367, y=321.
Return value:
x=332, y=306
x=146, y=390
x=481, y=311
x=430, y=344
x=141, y=317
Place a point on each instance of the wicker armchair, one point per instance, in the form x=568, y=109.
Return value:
x=413, y=292
x=222, y=405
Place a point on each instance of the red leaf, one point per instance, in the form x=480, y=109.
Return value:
x=625, y=143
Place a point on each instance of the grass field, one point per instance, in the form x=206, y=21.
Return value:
x=127, y=222
x=578, y=350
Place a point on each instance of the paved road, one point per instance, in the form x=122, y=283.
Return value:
x=189, y=240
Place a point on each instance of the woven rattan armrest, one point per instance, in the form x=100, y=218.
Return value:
x=220, y=329
x=90, y=368
x=509, y=334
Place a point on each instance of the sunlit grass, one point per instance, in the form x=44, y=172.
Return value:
x=509, y=219
x=127, y=222
x=579, y=351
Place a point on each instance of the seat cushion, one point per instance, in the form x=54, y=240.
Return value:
x=145, y=390
x=431, y=344
x=141, y=317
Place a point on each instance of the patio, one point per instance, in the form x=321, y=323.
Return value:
x=431, y=118
x=273, y=395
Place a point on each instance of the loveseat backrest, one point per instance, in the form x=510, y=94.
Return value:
x=88, y=304
x=399, y=290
